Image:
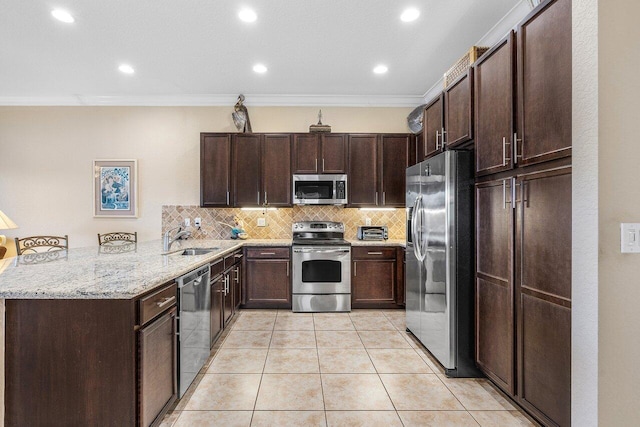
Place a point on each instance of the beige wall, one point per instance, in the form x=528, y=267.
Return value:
x=619, y=201
x=46, y=156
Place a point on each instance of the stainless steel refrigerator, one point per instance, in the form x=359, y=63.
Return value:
x=439, y=259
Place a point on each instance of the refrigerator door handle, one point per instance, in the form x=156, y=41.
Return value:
x=414, y=235
x=420, y=254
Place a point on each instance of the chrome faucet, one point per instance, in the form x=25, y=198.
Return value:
x=167, y=241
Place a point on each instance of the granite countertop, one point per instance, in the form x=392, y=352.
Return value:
x=89, y=273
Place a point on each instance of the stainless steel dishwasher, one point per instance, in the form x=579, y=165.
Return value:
x=194, y=324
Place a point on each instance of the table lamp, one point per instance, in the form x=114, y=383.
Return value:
x=5, y=224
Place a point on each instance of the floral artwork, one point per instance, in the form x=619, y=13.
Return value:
x=115, y=188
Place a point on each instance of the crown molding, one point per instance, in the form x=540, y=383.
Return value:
x=499, y=31
x=216, y=100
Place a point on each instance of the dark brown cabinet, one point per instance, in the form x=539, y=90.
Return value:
x=215, y=170
x=544, y=84
x=458, y=111
x=319, y=153
x=158, y=380
x=494, y=282
x=494, y=108
x=543, y=293
x=217, y=306
x=261, y=170
x=376, y=277
x=377, y=168
x=432, y=128
x=267, y=277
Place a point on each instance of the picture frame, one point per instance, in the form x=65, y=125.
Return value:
x=115, y=188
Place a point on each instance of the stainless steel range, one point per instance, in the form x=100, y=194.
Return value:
x=321, y=267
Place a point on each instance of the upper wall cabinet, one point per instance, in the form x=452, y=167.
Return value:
x=261, y=170
x=494, y=107
x=432, y=129
x=458, y=111
x=544, y=84
x=319, y=153
x=215, y=170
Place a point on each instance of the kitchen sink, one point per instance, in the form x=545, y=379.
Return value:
x=198, y=251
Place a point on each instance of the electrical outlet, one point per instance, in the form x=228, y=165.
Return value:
x=187, y=222
x=262, y=222
x=197, y=222
x=367, y=221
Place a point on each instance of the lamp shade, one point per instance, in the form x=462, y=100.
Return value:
x=5, y=222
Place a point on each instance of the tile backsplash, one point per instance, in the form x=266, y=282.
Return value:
x=279, y=221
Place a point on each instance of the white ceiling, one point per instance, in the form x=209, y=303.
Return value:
x=200, y=50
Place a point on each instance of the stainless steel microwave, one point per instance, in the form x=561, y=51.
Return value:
x=320, y=189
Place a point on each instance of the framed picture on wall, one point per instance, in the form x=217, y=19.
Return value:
x=115, y=188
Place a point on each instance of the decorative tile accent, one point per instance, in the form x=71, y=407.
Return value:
x=279, y=222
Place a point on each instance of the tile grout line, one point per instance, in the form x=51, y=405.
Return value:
x=324, y=403
x=264, y=365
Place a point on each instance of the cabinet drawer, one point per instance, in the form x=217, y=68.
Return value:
x=152, y=305
x=232, y=258
x=268, y=252
x=217, y=267
x=373, y=252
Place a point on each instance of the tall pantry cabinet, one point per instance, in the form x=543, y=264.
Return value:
x=523, y=213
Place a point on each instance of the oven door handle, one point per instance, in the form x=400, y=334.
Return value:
x=321, y=251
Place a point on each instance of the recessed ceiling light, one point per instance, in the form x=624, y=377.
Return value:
x=410, y=14
x=259, y=68
x=380, y=69
x=247, y=15
x=126, y=68
x=62, y=15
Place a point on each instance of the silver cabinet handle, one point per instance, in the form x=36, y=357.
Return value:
x=506, y=202
x=237, y=256
x=227, y=197
x=287, y=268
x=515, y=147
x=437, y=136
x=376, y=198
x=316, y=165
x=265, y=197
x=166, y=301
x=237, y=274
x=267, y=253
x=355, y=268
x=442, y=141
x=258, y=197
x=513, y=193
x=374, y=253
x=505, y=159
x=323, y=165
x=384, y=198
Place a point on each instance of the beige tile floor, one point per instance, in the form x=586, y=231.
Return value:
x=278, y=368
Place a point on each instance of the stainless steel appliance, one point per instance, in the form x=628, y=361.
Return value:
x=373, y=232
x=194, y=325
x=323, y=189
x=321, y=267
x=439, y=259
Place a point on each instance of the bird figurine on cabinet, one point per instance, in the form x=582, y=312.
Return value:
x=240, y=116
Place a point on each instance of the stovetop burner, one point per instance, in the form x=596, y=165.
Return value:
x=319, y=233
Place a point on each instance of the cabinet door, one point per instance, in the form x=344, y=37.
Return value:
x=458, y=114
x=395, y=159
x=237, y=284
x=306, y=152
x=215, y=170
x=333, y=148
x=494, y=282
x=433, y=127
x=217, y=301
x=158, y=380
x=246, y=170
x=544, y=83
x=363, y=170
x=543, y=294
x=276, y=170
x=268, y=283
x=373, y=283
x=494, y=101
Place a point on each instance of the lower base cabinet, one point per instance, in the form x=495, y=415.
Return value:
x=267, y=277
x=377, y=277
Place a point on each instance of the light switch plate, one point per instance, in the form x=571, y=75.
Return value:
x=262, y=222
x=187, y=222
x=630, y=238
x=367, y=221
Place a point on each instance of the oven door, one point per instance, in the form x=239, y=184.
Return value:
x=321, y=270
